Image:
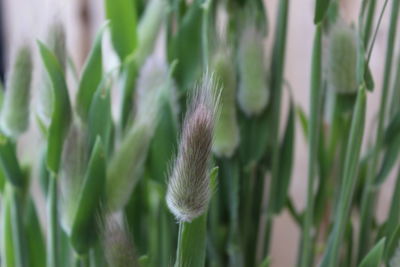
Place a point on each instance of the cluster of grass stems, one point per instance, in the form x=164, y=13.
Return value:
x=184, y=157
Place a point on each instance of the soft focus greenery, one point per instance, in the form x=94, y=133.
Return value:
x=182, y=154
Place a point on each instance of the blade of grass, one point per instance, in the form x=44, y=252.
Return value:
x=369, y=194
x=374, y=257
x=52, y=224
x=61, y=113
x=19, y=237
x=313, y=140
x=122, y=16
x=321, y=6
x=277, y=67
x=83, y=233
x=191, y=250
x=91, y=76
x=331, y=255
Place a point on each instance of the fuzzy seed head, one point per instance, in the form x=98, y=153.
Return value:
x=15, y=112
x=342, y=59
x=253, y=93
x=118, y=245
x=189, y=191
x=226, y=134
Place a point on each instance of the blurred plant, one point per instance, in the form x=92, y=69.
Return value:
x=196, y=163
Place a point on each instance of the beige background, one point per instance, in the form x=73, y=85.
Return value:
x=28, y=19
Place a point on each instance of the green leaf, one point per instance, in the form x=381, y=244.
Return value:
x=164, y=141
x=189, y=56
x=286, y=161
x=191, y=249
x=9, y=162
x=61, y=113
x=91, y=76
x=320, y=10
x=374, y=256
x=35, y=238
x=351, y=162
x=100, y=118
x=122, y=16
x=7, y=244
x=392, y=244
x=393, y=130
x=303, y=120
x=313, y=142
x=389, y=161
x=83, y=233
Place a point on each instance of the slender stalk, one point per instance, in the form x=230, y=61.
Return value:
x=313, y=136
x=21, y=259
x=368, y=197
x=191, y=248
x=204, y=39
x=277, y=67
x=349, y=180
x=369, y=22
x=52, y=235
x=394, y=106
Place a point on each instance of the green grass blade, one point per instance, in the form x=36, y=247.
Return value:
x=393, y=244
x=277, y=68
x=368, y=194
x=34, y=236
x=19, y=236
x=61, y=113
x=286, y=161
x=100, y=121
x=351, y=161
x=91, y=76
x=83, y=233
x=7, y=243
x=313, y=140
x=9, y=162
x=122, y=16
x=52, y=250
x=374, y=257
x=320, y=10
x=189, y=57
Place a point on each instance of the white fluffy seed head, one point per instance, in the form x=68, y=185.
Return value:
x=189, y=191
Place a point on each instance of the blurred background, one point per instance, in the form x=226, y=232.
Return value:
x=27, y=20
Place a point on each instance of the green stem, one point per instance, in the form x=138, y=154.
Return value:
x=394, y=106
x=204, y=39
x=313, y=136
x=21, y=259
x=368, y=197
x=331, y=255
x=191, y=250
x=277, y=66
x=52, y=224
x=369, y=22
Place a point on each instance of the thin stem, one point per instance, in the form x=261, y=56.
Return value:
x=368, y=197
x=277, y=66
x=17, y=230
x=313, y=136
x=376, y=30
x=52, y=236
x=206, y=8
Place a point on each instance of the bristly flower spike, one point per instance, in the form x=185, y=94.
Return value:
x=189, y=189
